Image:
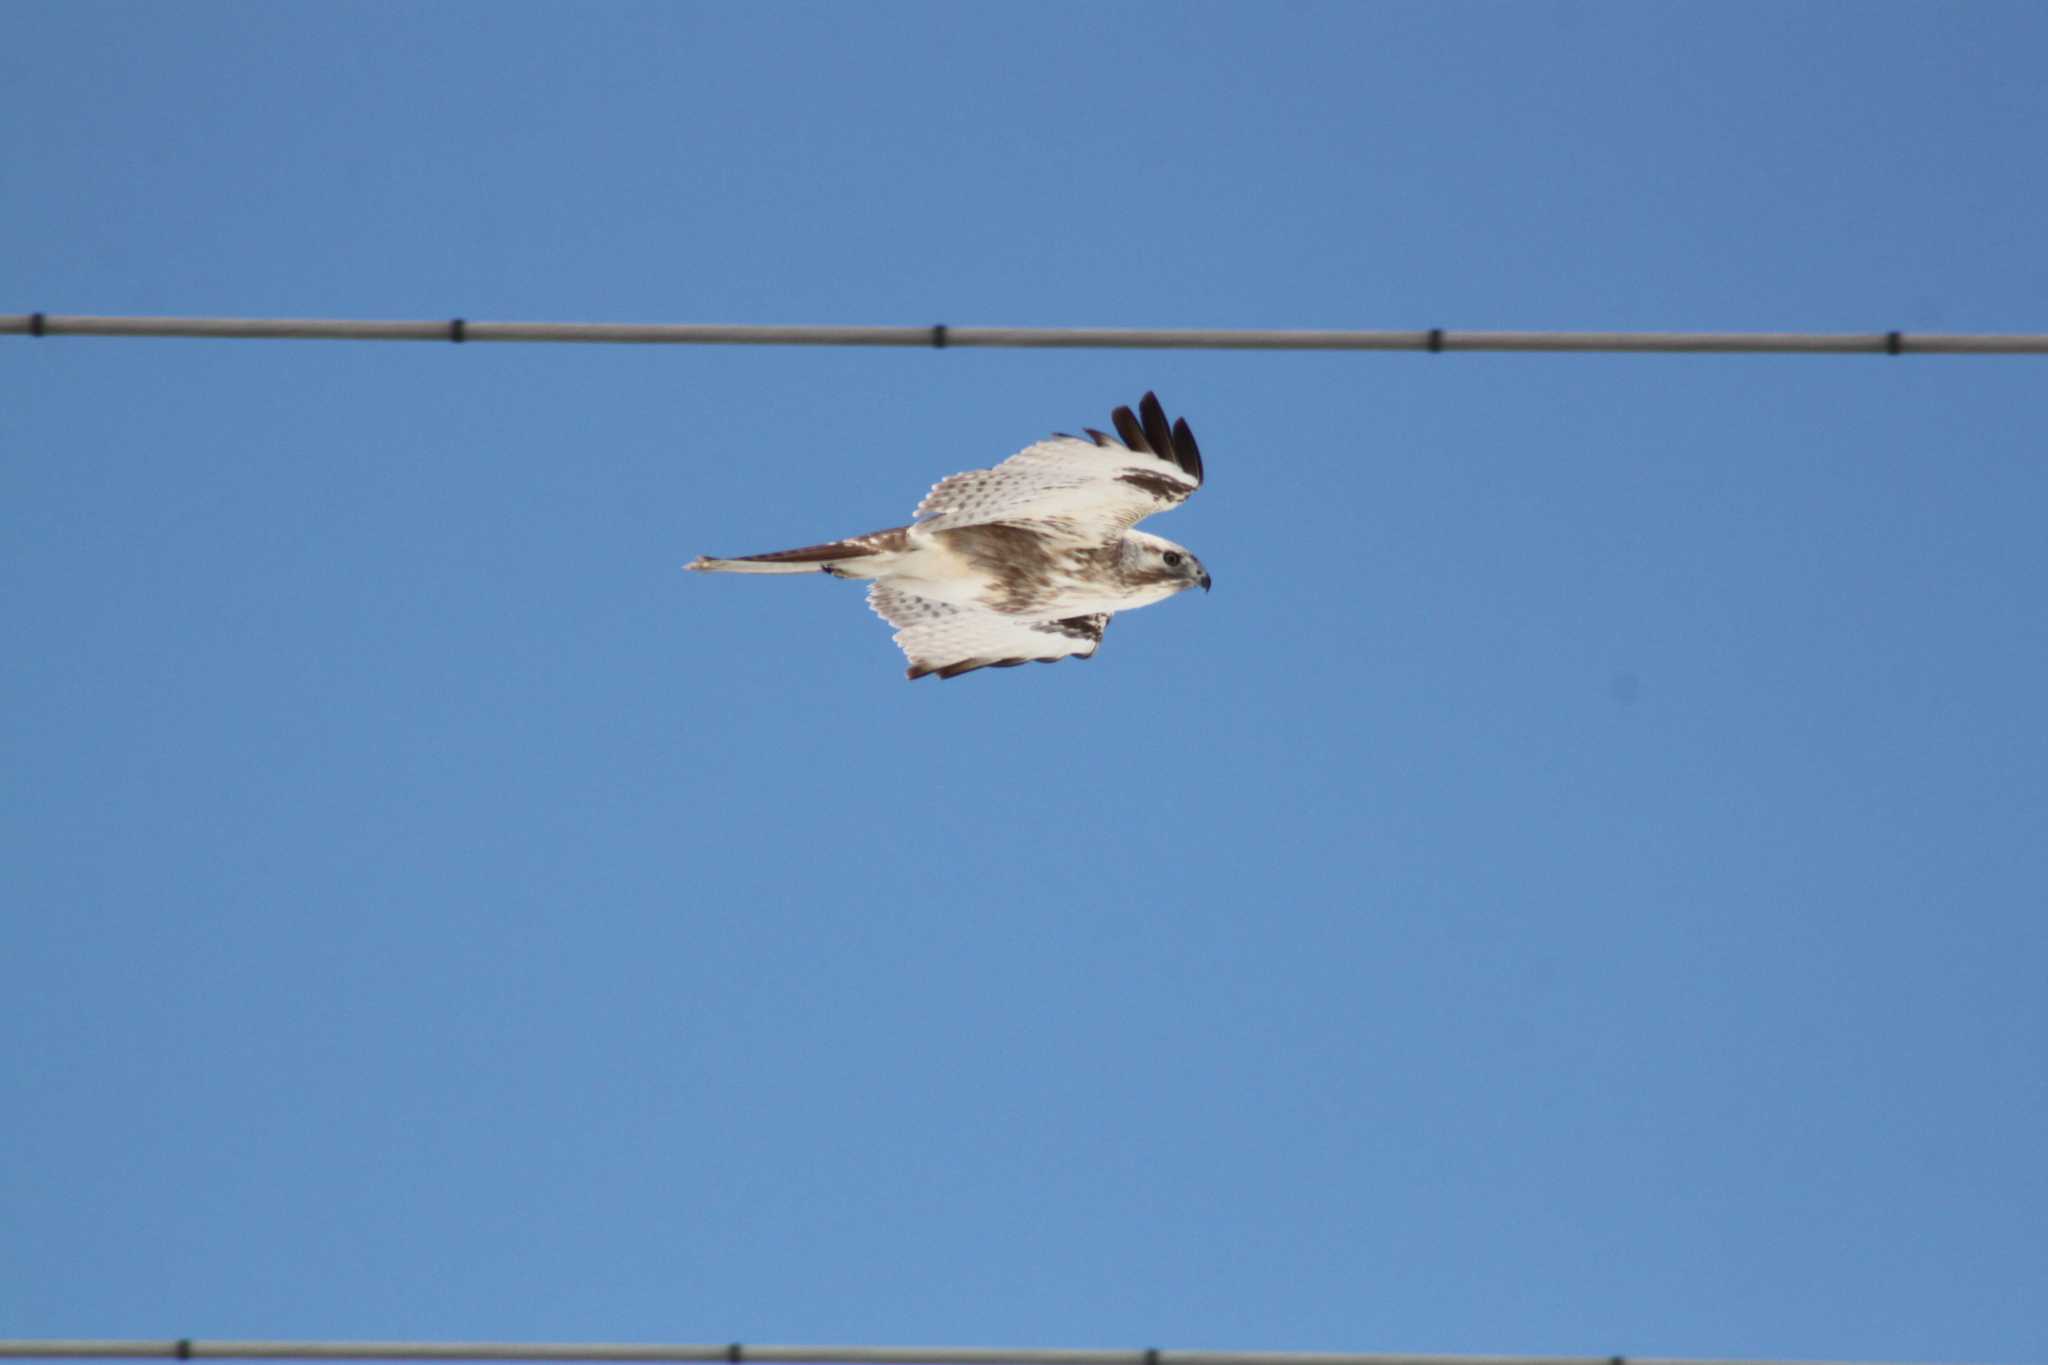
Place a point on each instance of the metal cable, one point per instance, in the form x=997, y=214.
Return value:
x=943, y=336
x=736, y=1353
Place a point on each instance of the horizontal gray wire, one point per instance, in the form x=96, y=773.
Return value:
x=941, y=336
x=739, y=1354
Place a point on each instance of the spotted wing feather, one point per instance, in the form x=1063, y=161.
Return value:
x=949, y=639
x=1099, y=485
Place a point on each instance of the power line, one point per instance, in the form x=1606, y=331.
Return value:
x=941, y=336
x=737, y=1353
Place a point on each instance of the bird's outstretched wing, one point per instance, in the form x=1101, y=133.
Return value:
x=1099, y=485
x=950, y=639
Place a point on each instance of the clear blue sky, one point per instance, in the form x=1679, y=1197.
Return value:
x=1576, y=885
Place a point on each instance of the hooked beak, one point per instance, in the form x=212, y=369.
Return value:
x=1205, y=580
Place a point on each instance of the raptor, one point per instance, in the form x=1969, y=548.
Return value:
x=1025, y=562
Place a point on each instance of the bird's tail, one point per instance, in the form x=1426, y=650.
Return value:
x=839, y=556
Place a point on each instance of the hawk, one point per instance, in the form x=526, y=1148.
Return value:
x=1025, y=562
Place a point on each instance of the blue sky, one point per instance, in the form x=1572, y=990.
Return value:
x=1575, y=886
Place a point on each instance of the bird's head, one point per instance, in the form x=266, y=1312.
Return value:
x=1157, y=561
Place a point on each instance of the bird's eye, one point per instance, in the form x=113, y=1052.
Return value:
x=1172, y=558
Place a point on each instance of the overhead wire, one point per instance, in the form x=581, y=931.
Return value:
x=943, y=336
x=738, y=1353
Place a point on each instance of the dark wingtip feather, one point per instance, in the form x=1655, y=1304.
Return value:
x=1128, y=428
x=1150, y=433
x=1186, y=453
x=1158, y=435
x=1147, y=432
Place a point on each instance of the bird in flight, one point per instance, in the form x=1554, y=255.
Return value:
x=1025, y=562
